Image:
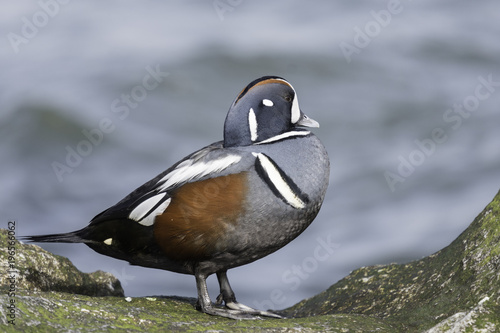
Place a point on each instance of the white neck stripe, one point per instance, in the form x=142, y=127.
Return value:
x=284, y=136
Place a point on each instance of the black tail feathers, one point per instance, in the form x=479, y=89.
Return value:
x=70, y=237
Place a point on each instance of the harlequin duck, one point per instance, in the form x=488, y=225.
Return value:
x=225, y=205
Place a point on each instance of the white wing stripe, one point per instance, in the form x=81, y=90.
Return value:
x=146, y=212
x=145, y=209
x=149, y=220
x=188, y=171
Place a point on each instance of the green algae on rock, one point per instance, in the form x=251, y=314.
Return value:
x=51, y=295
x=456, y=289
x=420, y=294
x=35, y=269
x=62, y=312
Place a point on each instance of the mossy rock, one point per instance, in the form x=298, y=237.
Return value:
x=460, y=281
x=62, y=312
x=456, y=289
x=39, y=270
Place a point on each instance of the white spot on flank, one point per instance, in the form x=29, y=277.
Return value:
x=144, y=213
x=144, y=207
x=149, y=220
x=281, y=185
x=189, y=170
x=267, y=102
x=252, y=124
x=108, y=241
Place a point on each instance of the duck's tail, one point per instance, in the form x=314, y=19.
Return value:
x=69, y=237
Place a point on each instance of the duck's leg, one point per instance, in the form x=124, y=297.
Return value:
x=204, y=303
x=227, y=295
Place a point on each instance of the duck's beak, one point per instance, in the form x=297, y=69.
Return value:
x=305, y=121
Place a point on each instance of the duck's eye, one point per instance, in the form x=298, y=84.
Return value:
x=288, y=98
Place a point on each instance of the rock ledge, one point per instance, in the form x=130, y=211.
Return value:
x=454, y=290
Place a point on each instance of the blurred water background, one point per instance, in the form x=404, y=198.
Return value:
x=377, y=75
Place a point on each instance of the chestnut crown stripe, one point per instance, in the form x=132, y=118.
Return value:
x=261, y=81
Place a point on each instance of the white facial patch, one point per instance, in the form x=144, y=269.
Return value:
x=146, y=212
x=295, y=117
x=278, y=182
x=267, y=102
x=108, y=241
x=295, y=109
x=252, y=124
x=190, y=170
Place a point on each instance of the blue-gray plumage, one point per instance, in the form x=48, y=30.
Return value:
x=226, y=205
